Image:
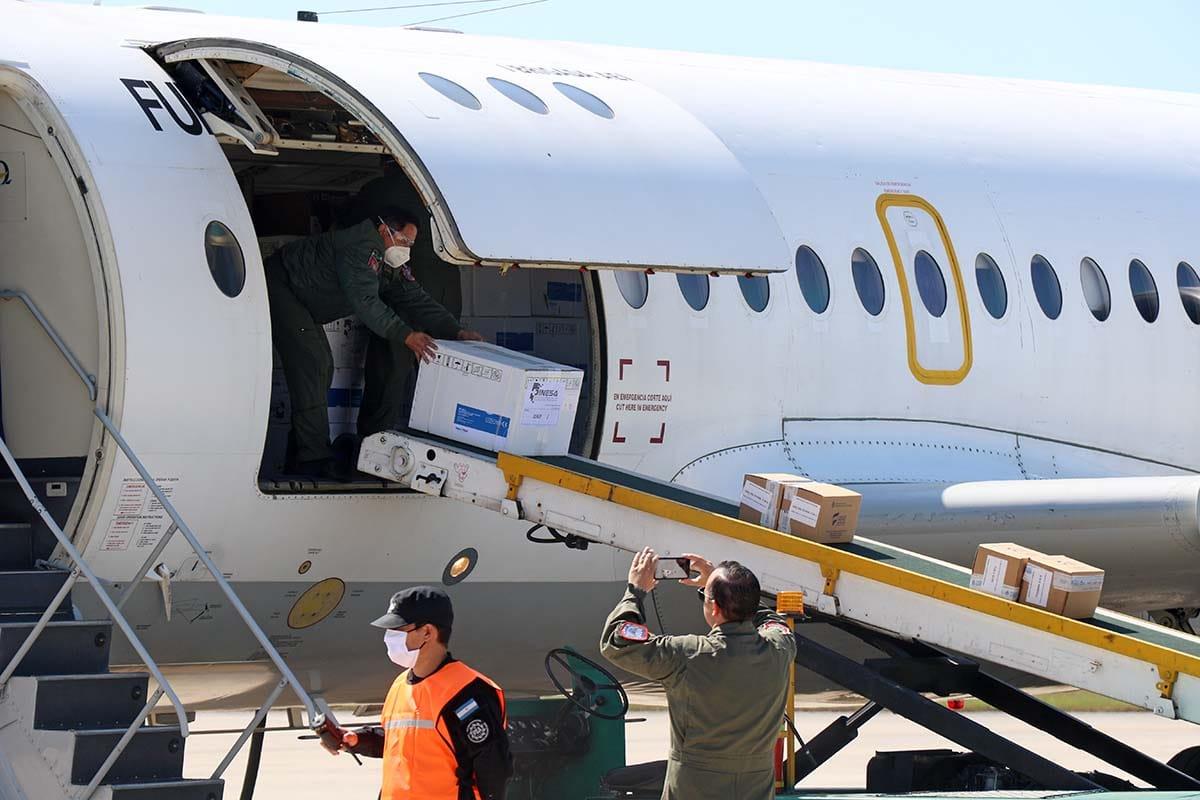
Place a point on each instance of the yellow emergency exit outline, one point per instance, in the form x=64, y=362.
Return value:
x=936, y=377
x=834, y=562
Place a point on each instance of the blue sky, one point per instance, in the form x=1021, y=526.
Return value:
x=1149, y=44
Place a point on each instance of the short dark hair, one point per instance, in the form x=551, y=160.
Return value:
x=443, y=634
x=396, y=218
x=735, y=591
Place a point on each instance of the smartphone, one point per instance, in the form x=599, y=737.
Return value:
x=673, y=569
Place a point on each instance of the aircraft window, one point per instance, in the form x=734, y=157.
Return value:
x=992, y=290
x=452, y=90
x=930, y=283
x=756, y=290
x=586, y=99
x=519, y=95
x=225, y=259
x=633, y=285
x=694, y=289
x=1095, y=289
x=814, y=282
x=868, y=281
x=1145, y=291
x=1189, y=290
x=1046, y=286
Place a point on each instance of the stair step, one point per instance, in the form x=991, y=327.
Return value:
x=16, y=545
x=154, y=754
x=30, y=591
x=170, y=790
x=75, y=702
x=67, y=647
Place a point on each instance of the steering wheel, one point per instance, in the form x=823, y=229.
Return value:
x=562, y=657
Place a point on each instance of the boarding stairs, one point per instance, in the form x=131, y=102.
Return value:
x=919, y=610
x=69, y=728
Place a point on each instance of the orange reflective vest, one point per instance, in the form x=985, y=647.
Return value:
x=418, y=758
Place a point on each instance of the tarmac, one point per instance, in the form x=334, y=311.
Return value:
x=297, y=769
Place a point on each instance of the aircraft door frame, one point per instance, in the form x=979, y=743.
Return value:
x=921, y=346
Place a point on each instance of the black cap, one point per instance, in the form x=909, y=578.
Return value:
x=420, y=605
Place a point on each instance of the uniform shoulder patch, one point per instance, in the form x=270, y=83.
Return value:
x=633, y=632
x=477, y=731
x=466, y=709
x=373, y=262
x=774, y=625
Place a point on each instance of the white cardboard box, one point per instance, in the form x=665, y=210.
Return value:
x=556, y=293
x=489, y=397
x=496, y=294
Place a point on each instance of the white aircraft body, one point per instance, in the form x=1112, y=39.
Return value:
x=968, y=298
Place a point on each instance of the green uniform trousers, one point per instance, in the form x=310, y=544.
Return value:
x=693, y=783
x=308, y=368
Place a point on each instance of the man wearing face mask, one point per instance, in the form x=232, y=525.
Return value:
x=440, y=714
x=360, y=270
x=726, y=690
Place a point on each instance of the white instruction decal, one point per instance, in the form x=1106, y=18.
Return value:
x=1039, y=581
x=139, y=518
x=756, y=497
x=543, y=401
x=806, y=512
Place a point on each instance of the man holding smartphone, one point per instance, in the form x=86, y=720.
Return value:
x=726, y=690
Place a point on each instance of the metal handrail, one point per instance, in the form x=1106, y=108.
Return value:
x=82, y=569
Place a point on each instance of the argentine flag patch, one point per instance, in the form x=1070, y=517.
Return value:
x=466, y=709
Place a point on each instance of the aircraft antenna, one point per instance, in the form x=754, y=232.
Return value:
x=474, y=13
x=409, y=5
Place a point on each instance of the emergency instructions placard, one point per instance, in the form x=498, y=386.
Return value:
x=139, y=519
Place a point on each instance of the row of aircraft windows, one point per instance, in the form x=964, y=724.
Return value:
x=518, y=94
x=931, y=286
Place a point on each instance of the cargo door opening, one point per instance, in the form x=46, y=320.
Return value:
x=51, y=256
x=308, y=165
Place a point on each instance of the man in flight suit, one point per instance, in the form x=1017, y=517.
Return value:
x=442, y=734
x=440, y=280
x=360, y=270
x=726, y=690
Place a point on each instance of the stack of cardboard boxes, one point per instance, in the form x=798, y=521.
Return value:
x=1057, y=584
x=793, y=504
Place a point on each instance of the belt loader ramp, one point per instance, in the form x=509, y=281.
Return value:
x=894, y=599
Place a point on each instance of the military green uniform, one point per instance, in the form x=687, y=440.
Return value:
x=726, y=694
x=329, y=276
x=441, y=281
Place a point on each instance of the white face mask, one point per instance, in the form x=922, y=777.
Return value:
x=396, y=255
x=397, y=649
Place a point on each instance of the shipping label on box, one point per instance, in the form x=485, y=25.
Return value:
x=762, y=494
x=821, y=512
x=497, y=399
x=999, y=567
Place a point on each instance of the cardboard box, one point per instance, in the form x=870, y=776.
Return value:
x=1062, y=585
x=999, y=568
x=500, y=295
x=762, y=495
x=511, y=333
x=821, y=512
x=497, y=399
x=556, y=293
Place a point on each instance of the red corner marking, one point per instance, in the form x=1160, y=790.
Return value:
x=662, y=434
x=616, y=438
x=666, y=364
x=622, y=363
